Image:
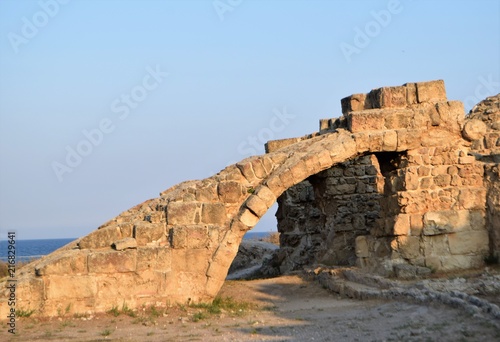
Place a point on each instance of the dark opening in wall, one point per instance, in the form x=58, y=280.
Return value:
x=389, y=161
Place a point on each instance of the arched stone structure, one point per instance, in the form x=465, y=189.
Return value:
x=179, y=246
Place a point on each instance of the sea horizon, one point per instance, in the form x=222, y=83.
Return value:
x=31, y=249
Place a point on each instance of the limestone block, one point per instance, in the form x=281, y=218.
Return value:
x=441, y=222
x=355, y=102
x=196, y=236
x=324, y=124
x=268, y=164
x=182, y=213
x=416, y=224
x=362, y=250
x=472, y=198
x=388, y=97
x=470, y=242
x=286, y=178
x=206, y=193
x=101, y=238
x=217, y=271
x=433, y=91
x=442, y=181
x=268, y=196
x=466, y=160
x=274, y=145
x=390, y=141
x=246, y=169
x=192, y=260
x=145, y=232
x=405, y=271
x=258, y=168
x=256, y=205
x=452, y=113
x=230, y=192
x=70, y=286
x=112, y=261
x=411, y=93
x=274, y=184
x=362, y=140
x=411, y=179
x=376, y=141
x=312, y=163
x=460, y=262
x=436, y=245
x=367, y=120
x=67, y=262
x=409, y=247
x=324, y=159
x=402, y=225
x=299, y=171
x=126, y=243
x=400, y=119
x=124, y=288
x=213, y=213
x=248, y=218
x=29, y=291
x=474, y=129
x=154, y=258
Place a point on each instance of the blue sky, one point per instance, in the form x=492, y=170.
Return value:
x=179, y=89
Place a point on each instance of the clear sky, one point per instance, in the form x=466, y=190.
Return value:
x=103, y=104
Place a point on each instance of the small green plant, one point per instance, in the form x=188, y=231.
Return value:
x=106, y=332
x=128, y=311
x=199, y=316
x=226, y=303
x=24, y=313
x=67, y=324
x=153, y=311
x=250, y=190
x=114, y=311
x=68, y=308
x=151, y=333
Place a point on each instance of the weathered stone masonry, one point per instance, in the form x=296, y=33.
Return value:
x=398, y=180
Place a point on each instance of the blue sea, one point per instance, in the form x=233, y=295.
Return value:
x=27, y=250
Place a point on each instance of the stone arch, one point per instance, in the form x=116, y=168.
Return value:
x=178, y=247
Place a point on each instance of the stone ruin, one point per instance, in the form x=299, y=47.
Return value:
x=402, y=184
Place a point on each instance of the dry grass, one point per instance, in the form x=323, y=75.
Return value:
x=4, y=267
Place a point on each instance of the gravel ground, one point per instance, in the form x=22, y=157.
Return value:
x=286, y=308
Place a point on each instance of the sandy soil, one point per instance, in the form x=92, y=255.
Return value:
x=286, y=308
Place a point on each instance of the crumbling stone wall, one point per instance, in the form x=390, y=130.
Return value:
x=483, y=128
x=434, y=208
x=320, y=218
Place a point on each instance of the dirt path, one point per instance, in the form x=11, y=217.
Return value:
x=286, y=308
